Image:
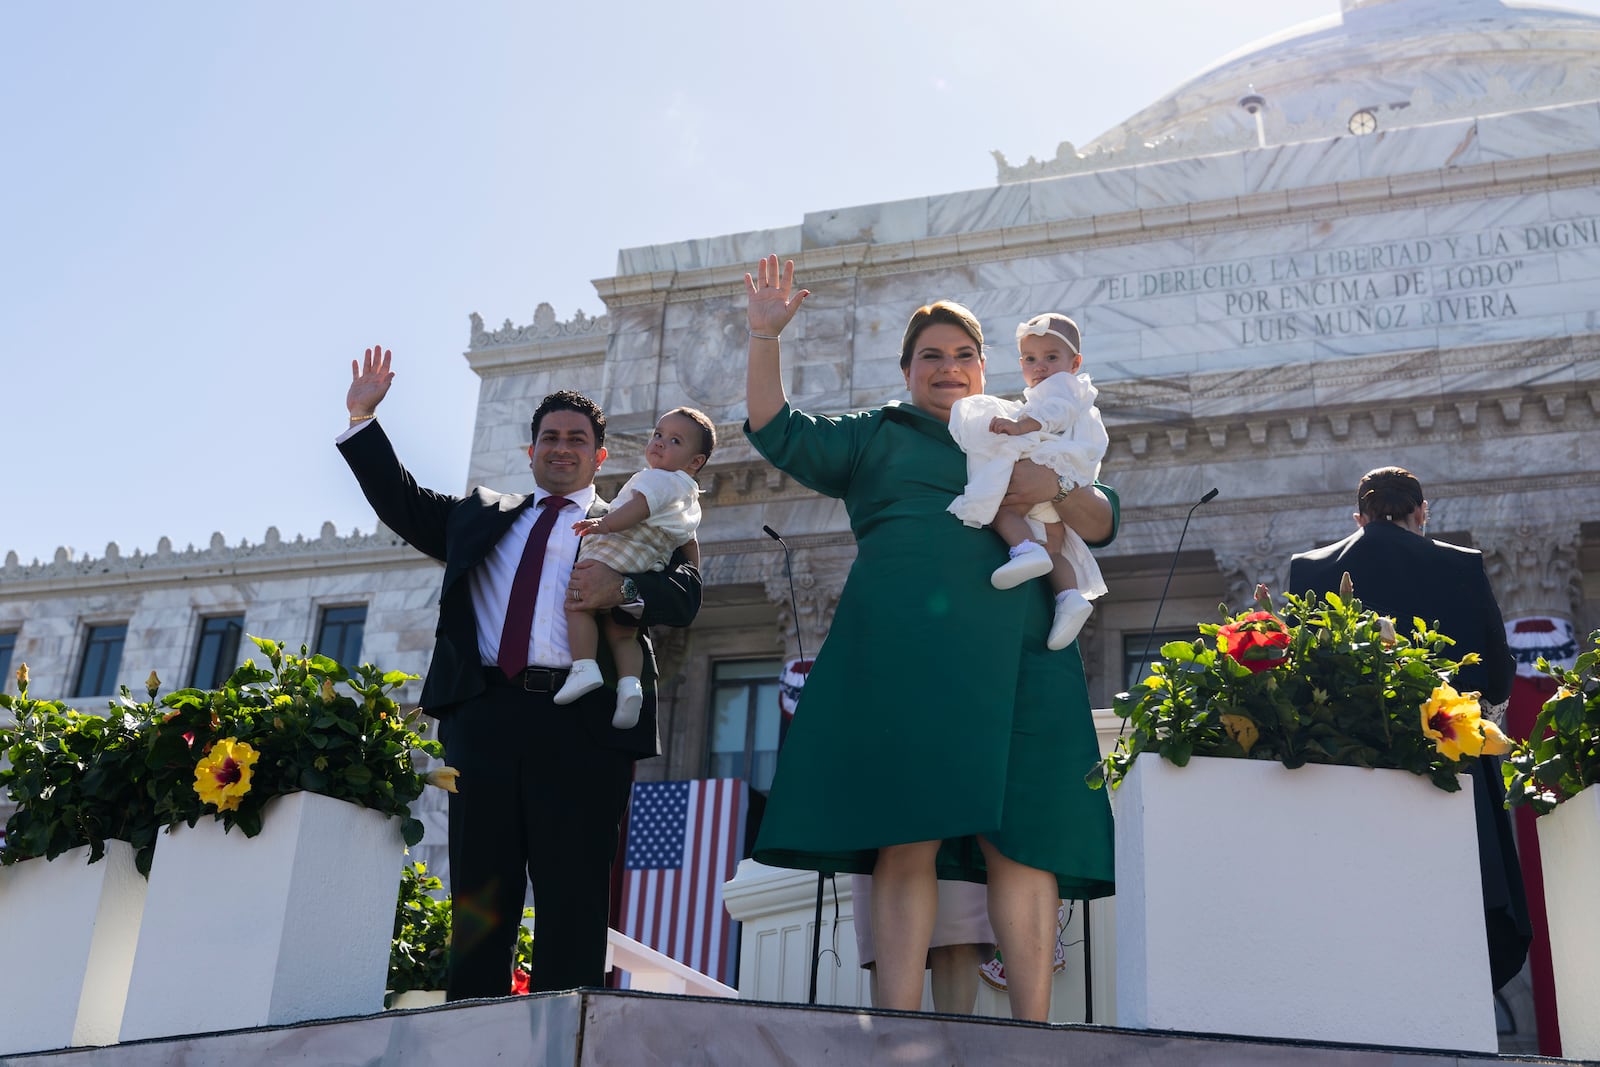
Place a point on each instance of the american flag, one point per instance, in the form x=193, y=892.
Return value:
x=684, y=841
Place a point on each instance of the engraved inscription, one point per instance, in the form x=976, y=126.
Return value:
x=1373, y=287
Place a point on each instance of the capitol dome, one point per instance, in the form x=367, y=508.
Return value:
x=1377, y=65
x=1396, y=62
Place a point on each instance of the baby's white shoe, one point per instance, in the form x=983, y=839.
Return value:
x=1072, y=611
x=1028, y=560
x=630, y=695
x=583, y=678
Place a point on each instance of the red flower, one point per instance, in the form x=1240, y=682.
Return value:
x=1257, y=641
x=519, y=982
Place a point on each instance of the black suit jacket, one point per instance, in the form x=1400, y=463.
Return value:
x=459, y=532
x=1397, y=573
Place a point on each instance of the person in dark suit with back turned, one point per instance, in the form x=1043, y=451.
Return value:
x=1397, y=570
x=542, y=788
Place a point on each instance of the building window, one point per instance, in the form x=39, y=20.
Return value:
x=744, y=720
x=1135, y=650
x=102, y=658
x=216, y=653
x=8, y=647
x=339, y=635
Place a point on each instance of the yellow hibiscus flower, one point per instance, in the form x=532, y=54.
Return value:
x=1242, y=729
x=442, y=778
x=1495, y=742
x=1454, y=721
x=1386, y=634
x=222, y=778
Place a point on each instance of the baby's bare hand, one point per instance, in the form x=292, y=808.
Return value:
x=1006, y=426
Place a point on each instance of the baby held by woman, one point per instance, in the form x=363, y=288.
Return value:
x=1058, y=426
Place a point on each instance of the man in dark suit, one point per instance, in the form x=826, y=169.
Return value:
x=1397, y=570
x=542, y=788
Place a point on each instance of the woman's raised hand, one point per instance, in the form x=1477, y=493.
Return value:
x=773, y=299
x=369, y=382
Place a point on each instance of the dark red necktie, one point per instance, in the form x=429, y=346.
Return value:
x=525, y=589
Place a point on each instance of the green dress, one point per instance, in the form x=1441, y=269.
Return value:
x=934, y=711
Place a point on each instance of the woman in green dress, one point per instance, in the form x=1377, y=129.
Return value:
x=940, y=738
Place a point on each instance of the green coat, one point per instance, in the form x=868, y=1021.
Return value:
x=934, y=711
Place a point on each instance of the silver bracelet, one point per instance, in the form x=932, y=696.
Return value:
x=764, y=336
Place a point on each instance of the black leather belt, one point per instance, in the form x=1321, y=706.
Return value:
x=529, y=679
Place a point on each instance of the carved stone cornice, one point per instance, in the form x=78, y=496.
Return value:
x=819, y=577
x=329, y=552
x=1264, y=561
x=1533, y=567
x=1397, y=398
x=544, y=327
x=555, y=346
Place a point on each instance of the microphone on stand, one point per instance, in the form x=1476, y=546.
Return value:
x=816, y=924
x=1144, y=655
x=788, y=572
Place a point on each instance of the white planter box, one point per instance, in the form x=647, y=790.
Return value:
x=69, y=928
x=292, y=924
x=1569, y=848
x=417, y=998
x=1322, y=903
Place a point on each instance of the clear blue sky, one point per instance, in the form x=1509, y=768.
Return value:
x=206, y=209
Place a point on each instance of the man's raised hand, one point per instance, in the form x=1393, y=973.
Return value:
x=369, y=382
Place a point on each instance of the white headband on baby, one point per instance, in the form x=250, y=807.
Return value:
x=1053, y=325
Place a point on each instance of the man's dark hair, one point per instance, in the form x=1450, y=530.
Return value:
x=567, y=400
x=1388, y=493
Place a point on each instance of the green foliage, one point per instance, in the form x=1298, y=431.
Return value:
x=419, y=957
x=318, y=727
x=1350, y=692
x=523, y=960
x=77, y=779
x=1561, y=757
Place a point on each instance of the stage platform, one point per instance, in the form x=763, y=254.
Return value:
x=602, y=1028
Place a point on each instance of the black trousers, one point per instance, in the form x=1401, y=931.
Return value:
x=538, y=799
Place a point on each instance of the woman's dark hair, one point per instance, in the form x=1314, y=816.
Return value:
x=567, y=400
x=1388, y=494
x=945, y=311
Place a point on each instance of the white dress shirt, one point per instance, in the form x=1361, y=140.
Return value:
x=491, y=583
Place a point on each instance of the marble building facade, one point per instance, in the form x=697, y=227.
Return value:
x=1268, y=308
x=1271, y=319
